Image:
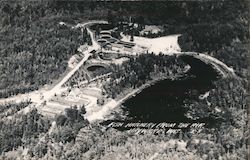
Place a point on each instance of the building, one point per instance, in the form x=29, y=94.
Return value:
x=82, y=48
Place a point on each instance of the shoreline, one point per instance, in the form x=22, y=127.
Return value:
x=107, y=108
x=146, y=85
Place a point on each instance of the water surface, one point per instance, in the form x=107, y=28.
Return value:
x=164, y=101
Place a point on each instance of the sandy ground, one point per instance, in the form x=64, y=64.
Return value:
x=167, y=44
x=102, y=112
x=72, y=62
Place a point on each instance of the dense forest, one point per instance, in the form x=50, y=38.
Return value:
x=138, y=70
x=227, y=103
x=74, y=138
x=22, y=130
x=25, y=130
x=34, y=50
x=11, y=108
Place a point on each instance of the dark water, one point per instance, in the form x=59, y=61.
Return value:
x=102, y=26
x=164, y=101
x=94, y=68
x=107, y=56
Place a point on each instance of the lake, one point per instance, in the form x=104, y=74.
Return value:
x=164, y=101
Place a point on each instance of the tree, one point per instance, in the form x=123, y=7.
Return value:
x=110, y=17
x=67, y=134
x=82, y=109
x=60, y=120
x=71, y=113
x=100, y=101
x=132, y=35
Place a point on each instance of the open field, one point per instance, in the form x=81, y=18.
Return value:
x=166, y=44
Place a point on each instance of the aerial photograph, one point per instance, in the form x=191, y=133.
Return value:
x=124, y=80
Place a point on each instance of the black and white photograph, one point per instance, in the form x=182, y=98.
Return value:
x=124, y=80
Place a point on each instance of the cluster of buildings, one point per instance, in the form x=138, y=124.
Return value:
x=108, y=42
